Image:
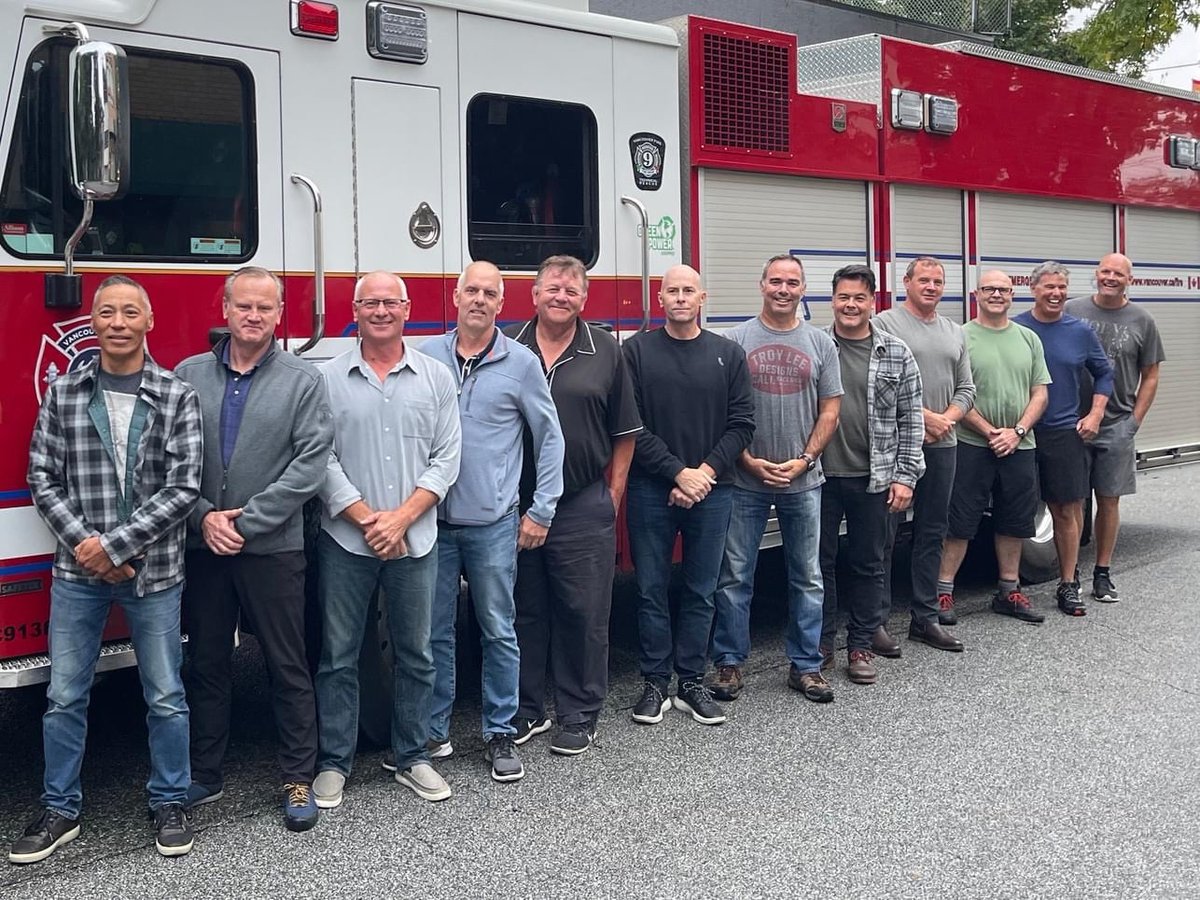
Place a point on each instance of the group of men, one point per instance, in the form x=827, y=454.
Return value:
x=504, y=455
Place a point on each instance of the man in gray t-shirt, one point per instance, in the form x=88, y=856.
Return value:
x=797, y=391
x=1131, y=340
x=948, y=391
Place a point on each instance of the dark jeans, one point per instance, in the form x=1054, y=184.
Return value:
x=653, y=527
x=868, y=528
x=930, y=509
x=564, y=596
x=268, y=591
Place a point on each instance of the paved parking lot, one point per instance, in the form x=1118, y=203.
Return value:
x=1052, y=761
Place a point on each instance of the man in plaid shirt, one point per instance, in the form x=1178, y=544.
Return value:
x=114, y=468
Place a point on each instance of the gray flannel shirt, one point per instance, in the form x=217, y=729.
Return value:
x=75, y=482
x=894, y=409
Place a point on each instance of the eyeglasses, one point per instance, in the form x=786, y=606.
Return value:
x=993, y=289
x=371, y=304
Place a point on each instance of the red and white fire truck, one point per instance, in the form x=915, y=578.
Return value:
x=175, y=141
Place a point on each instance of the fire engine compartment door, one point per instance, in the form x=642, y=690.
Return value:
x=747, y=217
x=1164, y=245
x=928, y=221
x=398, y=202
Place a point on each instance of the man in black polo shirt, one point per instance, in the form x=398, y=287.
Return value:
x=564, y=587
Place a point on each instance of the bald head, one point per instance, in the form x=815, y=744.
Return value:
x=1113, y=277
x=682, y=295
x=391, y=283
x=481, y=269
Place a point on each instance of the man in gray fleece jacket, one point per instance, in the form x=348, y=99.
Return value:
x=501, y=391
x=268, y=430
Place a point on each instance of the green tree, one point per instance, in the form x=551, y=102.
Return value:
x=1122, y=35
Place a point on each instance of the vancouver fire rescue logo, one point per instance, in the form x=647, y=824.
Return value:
x=648, y=151
x=71, y=345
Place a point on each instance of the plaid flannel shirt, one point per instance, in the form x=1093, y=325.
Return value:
x=75, y=484
x=895, y=421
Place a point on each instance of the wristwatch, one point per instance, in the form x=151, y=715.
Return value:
x=1021, y=430
x=810, y=460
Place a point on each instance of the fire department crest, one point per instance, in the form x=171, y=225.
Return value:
x=71, y=345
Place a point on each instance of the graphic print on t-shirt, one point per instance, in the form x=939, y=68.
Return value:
x=779, y=369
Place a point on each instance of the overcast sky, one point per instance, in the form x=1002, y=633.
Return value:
x=1179, y=62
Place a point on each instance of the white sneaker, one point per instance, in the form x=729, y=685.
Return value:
x=424, y=781
x=327, y=789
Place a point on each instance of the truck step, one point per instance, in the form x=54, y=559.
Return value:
x=27, y=670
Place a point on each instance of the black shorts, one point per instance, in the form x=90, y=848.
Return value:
x=1010, y=482
x=1062, y=464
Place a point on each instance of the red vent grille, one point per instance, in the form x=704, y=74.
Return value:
x=747, y=89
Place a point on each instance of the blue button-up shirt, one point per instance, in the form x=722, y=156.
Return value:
x=390, y=437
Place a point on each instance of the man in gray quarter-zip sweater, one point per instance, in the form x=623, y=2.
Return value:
x=501, y=391
x=268, y=431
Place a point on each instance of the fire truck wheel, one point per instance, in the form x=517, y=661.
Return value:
x=1039, y=558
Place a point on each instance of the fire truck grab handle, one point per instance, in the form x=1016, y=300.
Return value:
x=641, y=211
x=318, y=324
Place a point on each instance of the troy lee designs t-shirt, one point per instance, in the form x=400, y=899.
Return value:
x=789, y=372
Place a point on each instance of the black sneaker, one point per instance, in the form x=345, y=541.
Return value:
x=1067, y=596
x=649, y=710
x=501, y=752
x=172, y=829
x=573, y=739
x=527, y=728
x=1017, y=605
x=1103, y=589
x=41, y=837
x=693, y=697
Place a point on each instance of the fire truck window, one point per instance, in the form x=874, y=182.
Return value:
x=191, y=190
x=531, y=181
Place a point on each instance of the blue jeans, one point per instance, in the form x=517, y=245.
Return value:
x=800, y=525
x=488, y=553
x=78, y=612
x=347, y=586
x=653, y=526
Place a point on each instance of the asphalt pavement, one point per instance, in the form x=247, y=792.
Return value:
x=1046, y=761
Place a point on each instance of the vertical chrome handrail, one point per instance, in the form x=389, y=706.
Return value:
x=318, y=323
x=641, y=210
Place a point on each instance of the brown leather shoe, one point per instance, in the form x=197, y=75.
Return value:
x=934, y=635
x=861, y=670
x=883, y=644
x=727, y=683
x=811, y=684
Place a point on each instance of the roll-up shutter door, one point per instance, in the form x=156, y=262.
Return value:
x=1015, y=233
x=746, y=218
x=1165, y=248
x=929, y=222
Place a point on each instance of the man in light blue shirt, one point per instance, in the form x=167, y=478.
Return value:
x=502, y=391
x=397, y=443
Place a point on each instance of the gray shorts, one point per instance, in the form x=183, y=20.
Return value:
x=1112, y=460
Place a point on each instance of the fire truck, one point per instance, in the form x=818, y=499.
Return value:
x=176, y=141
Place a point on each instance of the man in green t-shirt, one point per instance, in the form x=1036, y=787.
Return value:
x=996, y=448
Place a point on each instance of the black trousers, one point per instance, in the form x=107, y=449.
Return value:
x=563, y=598
x=268, y=592
x=930, y=510
x=868, y=529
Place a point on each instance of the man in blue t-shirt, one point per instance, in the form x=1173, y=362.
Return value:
x=1062, y=457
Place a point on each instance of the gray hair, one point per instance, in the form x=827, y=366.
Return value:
x=783, y=257
x=252, y=272
x=114, y=280
x=924, y=261
x=1049, y=267
x=462, y=276
x=400, y=281
x=562, y=263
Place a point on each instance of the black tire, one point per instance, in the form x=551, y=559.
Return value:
x=1039, y=557
x=375, y=680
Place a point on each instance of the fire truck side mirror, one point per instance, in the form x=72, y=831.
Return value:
x=99, y=118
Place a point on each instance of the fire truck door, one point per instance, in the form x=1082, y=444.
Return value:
x=928, y=221
x=399, y=207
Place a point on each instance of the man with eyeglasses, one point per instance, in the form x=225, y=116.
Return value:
x=396, y=449
x=502, y=392
x=996, y=457
x=1133, y=345
x=564, y=588
x=267, y=434
x=948, y=391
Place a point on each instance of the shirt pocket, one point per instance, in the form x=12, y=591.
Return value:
x=887, y=388
x=418, y=420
